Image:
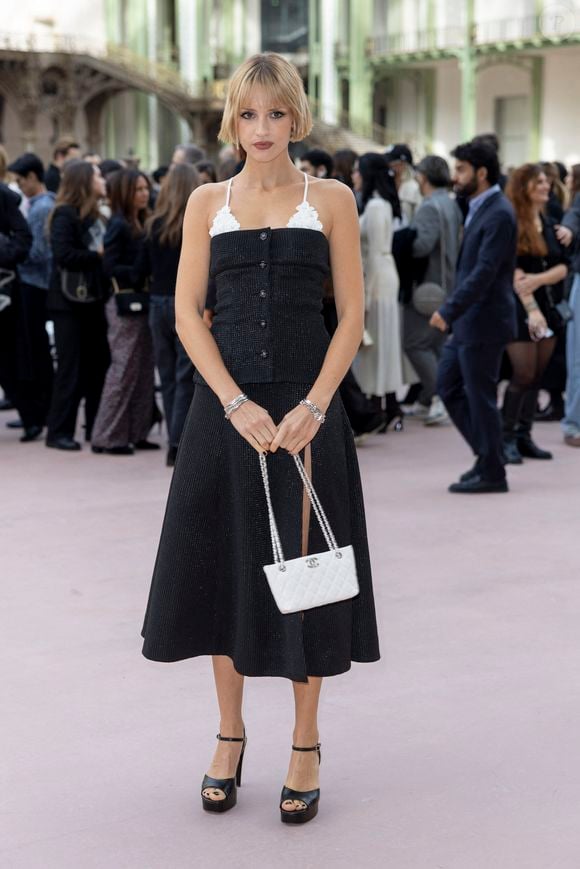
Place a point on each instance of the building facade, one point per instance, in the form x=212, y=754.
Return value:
x=433, y=72
x=135, y=77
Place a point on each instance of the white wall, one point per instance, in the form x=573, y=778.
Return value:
x=81, y=19
x=447, y=121
x=498, y=81
x=561, y=118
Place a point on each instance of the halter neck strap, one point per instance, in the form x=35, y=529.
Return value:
x=305, y=187
x=229, y=193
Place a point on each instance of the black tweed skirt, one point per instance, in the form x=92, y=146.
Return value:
x=209, y=594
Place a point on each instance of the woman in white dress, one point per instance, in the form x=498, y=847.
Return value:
x=378, y=364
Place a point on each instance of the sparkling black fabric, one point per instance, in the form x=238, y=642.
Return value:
x=209, y=593
x=268, y=320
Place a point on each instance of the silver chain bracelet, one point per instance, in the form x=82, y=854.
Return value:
x=234, y=404
x=314, y=410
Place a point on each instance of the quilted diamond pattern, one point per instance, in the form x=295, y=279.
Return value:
x=314, y=580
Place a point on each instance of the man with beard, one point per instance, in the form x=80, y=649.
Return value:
x=480, y=313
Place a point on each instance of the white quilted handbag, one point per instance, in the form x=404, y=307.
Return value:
x=313, y=580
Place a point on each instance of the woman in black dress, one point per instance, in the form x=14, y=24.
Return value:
x=538, y=282
x=268, y=241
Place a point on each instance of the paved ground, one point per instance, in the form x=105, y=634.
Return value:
x=459, y=750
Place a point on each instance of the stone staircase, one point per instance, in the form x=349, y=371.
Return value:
x=333, y=138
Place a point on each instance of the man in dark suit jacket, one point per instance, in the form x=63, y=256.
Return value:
x=481, y=315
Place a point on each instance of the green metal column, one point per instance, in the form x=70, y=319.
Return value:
x=468, y=74
x=202, y=21
x=313, y=51
x=360, y=74
x=429, y=89
x=537, y=101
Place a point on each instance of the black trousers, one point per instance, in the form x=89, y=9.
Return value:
x=8, y=374
x=34, y=361
x=467, y=385
x=174, y=365
x=83, y=358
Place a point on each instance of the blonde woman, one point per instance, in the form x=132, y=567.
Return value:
x=268, y=239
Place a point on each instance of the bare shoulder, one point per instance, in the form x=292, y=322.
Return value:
x=204, y=202
x=335, y=203
x=335, y=192
x=208, y=194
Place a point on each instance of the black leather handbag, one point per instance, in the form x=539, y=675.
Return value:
x=80, y=287
x=130, y=302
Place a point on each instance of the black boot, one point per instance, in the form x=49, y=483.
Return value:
x=524, y=441
x=512, y=403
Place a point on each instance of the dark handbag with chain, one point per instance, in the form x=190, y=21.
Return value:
x=80, y=287
x=130, y=302
x=7, y=279
x=560, y=313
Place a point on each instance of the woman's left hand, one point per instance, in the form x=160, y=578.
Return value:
x=295, y=431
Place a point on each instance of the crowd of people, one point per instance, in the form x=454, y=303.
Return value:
x=92, y=246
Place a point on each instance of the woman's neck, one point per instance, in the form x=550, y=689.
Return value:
x=280, y=172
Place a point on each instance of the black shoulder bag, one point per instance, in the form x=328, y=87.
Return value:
x=130, y=302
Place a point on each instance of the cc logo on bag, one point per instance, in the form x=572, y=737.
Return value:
x=312, y=562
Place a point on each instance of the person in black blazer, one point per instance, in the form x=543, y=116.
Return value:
x=481, y=316
x=80, y=329
x=15, y=243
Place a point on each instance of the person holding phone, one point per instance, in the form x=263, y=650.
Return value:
x=538, y=283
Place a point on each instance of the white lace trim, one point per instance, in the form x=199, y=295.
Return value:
x=224, y=221
x=306, y=217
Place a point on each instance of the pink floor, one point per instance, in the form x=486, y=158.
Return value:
x=459, y=750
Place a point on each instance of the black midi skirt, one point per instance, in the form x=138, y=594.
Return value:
x=209, y=594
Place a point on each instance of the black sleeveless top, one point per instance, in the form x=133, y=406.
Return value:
x=269, y=286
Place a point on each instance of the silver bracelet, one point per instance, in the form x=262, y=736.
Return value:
x=314, y=410
x=234, y=404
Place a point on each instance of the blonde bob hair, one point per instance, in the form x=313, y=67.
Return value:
x=281, y=80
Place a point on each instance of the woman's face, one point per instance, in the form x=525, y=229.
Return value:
x=204, y=178
x=356, y=178
x=141, y=195
x=99, y=185
x=263, y=127
x=539, y=190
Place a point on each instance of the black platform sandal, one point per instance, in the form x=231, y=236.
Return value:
x=228, y=786
x=309, y=798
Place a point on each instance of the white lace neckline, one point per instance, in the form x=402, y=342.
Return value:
x=305, y=216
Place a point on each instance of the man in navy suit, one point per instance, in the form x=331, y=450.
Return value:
x=480, y=314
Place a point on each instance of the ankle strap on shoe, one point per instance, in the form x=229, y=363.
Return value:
x=230, y=738
x=314, y=748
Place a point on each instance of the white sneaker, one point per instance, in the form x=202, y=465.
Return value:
x=437, y=413
x=418, y=410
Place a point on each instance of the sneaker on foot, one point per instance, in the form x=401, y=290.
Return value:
x=437, y=413
x=417, y=410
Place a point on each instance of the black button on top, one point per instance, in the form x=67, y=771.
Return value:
x=263, y=236
x=264, y=354
x=263, y=324
x=263, y=294
x=263, y=264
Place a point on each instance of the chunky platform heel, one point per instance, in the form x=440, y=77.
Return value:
x=309, y=798
x=228, y=786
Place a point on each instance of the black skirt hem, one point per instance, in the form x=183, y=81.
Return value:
x=173, y=657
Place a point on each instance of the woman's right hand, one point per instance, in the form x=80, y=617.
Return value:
x=537, y=325
x=255, y=425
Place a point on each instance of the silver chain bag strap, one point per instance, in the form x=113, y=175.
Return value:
x=312, y=580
